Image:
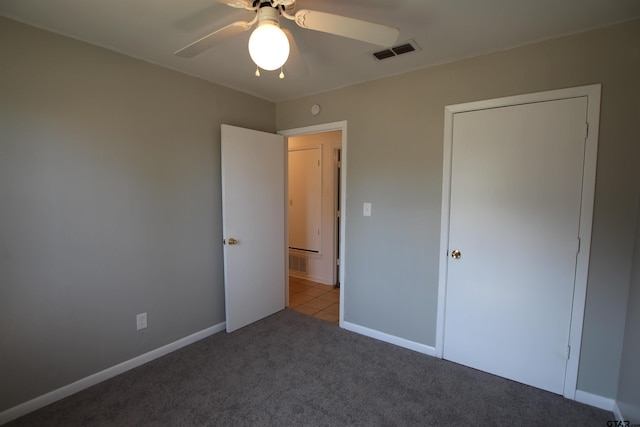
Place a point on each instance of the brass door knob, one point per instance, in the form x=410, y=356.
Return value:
x=456, y=254
x=232, y=241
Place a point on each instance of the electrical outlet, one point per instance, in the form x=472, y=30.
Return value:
x=141, y=321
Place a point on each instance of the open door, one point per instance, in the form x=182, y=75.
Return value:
x=253, y=222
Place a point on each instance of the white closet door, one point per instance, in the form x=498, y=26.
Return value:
x=305, y=199
x=516, y=182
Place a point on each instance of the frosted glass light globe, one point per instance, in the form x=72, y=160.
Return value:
x=269, y=46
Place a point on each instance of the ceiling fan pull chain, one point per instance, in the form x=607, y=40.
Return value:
x=257, y=71
x=281, y=73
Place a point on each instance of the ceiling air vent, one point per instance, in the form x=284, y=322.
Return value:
x=401, y=49
x=384, y=54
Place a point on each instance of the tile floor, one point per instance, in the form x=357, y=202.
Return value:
x=314, y=299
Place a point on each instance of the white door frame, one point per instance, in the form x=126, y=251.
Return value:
x=592, y=93
x=308, y=130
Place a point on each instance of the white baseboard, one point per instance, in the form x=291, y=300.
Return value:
x=392, y=339
x=311, y=277
x=617, y=414
x=595, y=400
x=55, y=395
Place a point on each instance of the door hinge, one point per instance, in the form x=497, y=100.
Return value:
x=578, y=246
x=568, y=352
x=338, y=214
x=338, y=261
x=586, y=130
x=318, y=162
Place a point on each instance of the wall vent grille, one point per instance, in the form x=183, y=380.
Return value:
x=400, y=49
x=298, y=263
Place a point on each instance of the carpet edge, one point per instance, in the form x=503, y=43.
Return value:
x=93, y=379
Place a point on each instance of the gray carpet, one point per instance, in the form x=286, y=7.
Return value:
x=293, y=370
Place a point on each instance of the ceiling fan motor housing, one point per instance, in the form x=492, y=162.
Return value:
x=267, y=14
x=285, y=5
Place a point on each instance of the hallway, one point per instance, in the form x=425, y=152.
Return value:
x=314, y=299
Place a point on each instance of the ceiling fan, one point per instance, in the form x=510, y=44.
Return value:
x=270, y=45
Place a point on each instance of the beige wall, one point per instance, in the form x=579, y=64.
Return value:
x=110, y=206
x=321, y=266
x=395, y=140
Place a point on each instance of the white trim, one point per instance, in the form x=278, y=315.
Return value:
x=595, y=400
x=617, y=414
x=586, y=222
x=313, y=278
x=86, y=382
x=592, y=93
x=391, y=339
x=444, y=232
x=328, y=127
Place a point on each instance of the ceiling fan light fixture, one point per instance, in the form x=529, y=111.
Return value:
x=269, y=46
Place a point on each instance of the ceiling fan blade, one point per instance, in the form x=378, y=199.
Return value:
x=213, y=39
x=357, y=29
x=295, y=64
x=238, y=4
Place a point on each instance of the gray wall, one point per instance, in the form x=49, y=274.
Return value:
x=394, y=161
x=110, y=206
x=110, y=198
x=628, y=387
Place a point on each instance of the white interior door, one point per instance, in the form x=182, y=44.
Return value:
x=516, y=183
x=253, y=216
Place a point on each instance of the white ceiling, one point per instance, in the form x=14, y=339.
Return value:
x=445, y=30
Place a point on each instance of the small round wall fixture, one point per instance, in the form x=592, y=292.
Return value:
x=315, y=109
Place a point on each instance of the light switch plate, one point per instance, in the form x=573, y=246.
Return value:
x=366, y=209
x=141, y=321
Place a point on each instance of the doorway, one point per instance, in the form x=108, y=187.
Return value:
x=314, y=299
x=518, y=186
x=321, y=266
